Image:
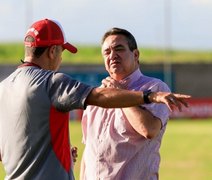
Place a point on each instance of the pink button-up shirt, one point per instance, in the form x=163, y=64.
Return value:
x=114, y=151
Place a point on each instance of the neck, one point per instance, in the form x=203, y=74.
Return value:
x=25, y=63
x=35, y=61
x=30, y=61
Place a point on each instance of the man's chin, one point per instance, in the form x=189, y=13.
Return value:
x=115, y=68
x=115, y=72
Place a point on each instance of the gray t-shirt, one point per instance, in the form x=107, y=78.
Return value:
x=34, y=123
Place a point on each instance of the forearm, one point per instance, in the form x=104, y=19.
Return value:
x=114, y=98
x=143, y=121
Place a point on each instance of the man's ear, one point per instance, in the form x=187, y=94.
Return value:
x=52, y=52
x=136, y=54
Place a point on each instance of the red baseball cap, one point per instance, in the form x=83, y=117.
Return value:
x=47, y=33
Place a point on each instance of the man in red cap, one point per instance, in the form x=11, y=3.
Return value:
x=35, y=101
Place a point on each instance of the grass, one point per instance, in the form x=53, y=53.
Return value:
x=11, y=53
x=185, y=150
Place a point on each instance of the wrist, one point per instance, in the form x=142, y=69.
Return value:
x=146, y=96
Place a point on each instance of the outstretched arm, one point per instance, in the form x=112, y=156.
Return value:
x=118, y=98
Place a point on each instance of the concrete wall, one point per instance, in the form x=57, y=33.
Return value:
x=194, y=79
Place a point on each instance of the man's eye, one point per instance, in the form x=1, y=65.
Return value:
x=106, y=52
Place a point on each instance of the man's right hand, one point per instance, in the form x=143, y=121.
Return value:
x=172, y=100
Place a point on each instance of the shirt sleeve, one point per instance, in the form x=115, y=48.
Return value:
x=159, y=110
x=66, y=93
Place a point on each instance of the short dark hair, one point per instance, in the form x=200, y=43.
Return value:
x=35, y=51
x=118, y=31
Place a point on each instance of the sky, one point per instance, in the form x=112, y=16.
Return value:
x=176, y=24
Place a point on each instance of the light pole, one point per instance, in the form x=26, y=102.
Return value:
x=168, y=45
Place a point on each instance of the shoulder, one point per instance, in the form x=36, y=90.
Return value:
x=58, y=77
x=155, y=84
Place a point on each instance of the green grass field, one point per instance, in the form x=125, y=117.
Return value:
x=185, y=151
x=11, y=53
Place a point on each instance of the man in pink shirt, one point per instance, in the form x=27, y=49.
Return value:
x=123, y=143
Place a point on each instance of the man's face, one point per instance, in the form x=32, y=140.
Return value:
x=119, y=60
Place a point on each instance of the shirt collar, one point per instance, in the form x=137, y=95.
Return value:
x=133, y=77
x=28, y=64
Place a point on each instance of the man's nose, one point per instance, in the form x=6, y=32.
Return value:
x=113, y=54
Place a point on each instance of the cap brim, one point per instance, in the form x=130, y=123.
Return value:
x=70, y=47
